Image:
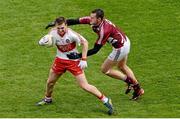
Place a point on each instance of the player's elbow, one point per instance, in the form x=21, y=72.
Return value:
x=86, y=43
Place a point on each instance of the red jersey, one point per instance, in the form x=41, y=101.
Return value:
x=105, y=31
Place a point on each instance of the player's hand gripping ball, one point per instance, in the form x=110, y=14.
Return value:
x=47, y=41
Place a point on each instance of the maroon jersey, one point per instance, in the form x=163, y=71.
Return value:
x=105, y=31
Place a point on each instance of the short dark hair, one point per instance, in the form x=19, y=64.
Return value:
x=99, y=13
x=60, y=20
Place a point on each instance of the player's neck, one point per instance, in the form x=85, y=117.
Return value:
x=100, y=22
x=63, y=33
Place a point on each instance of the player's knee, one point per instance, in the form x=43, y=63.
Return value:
x=122, y=66
x=104, y=71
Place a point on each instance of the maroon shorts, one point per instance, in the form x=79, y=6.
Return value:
x=61, y=65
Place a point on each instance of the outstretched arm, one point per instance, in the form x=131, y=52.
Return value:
x=68, y=21
x=82, y=20
x=72, y=21
x=90, y=52
x=94, y=50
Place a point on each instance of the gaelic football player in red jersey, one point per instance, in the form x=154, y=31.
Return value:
x=66, y=41
x=108, y=32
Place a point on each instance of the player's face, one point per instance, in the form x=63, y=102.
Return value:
x=61, y=28
x=94, y=19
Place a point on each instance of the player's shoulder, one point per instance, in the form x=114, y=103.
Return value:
x=72, y=32
x=108, y=25
x=75, y=35
x=108, y=22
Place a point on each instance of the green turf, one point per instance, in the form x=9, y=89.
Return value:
x=153, y=27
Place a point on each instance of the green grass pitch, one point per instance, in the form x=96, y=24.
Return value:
x=153, y=27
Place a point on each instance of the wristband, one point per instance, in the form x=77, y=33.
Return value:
x=84, y=59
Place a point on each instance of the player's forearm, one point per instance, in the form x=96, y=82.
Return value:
x=92, y=51
x=84, y=50
x=72, y=21
x=68, y=21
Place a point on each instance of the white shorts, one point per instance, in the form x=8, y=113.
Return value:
x=120, y=53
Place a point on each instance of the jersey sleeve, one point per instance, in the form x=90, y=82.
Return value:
x=103, y=35
x=84, y=20
x=78, y=38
